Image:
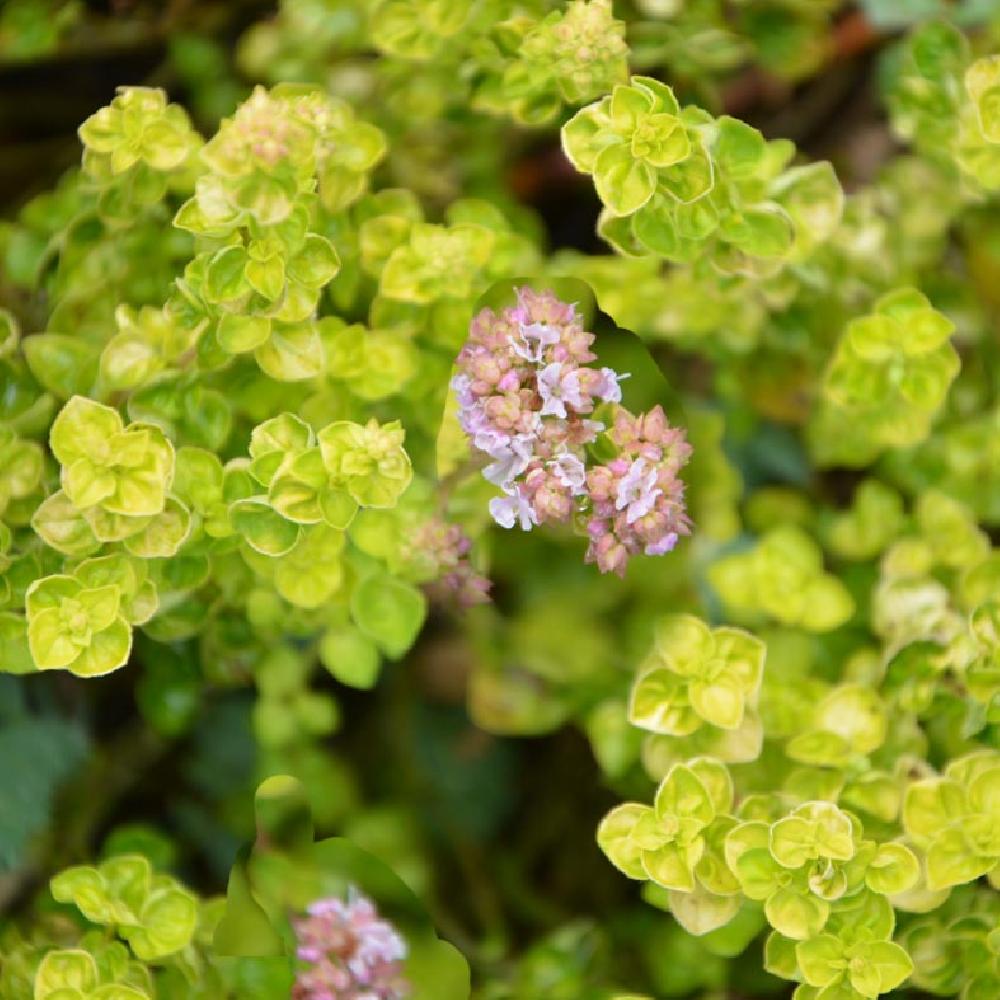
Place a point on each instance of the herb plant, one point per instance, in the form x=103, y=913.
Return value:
x=410, y=593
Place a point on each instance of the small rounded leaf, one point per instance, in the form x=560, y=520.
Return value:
x=264, y=529
x=615, y=838
x=69, y=969
x=166, y=924
x=795, y=914
x=894, y=869
x=623, y=183
x=350, y=656
x=389, y=611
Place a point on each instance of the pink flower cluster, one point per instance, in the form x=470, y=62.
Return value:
x=527, y=393
x=637, y=498
x=443, y=549
x=348, y=953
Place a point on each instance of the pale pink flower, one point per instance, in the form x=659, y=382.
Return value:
x=531, y=340
x=637, y=491
x=513, y=509
x=662, y=545
x=570, y=471
x=559, y=386
x=512, y=459
x=348, y=952
x=461, y=385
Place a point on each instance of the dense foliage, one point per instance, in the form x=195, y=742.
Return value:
x=547, y=613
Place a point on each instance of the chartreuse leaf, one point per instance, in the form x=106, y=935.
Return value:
x=782, y=577
x=238, y=334
x=701, y=912
x=815, y=830
x=953, y=819
x=65, y=970
x=59, y=523
x=779, y=956
x=665, y=843
x=64, y=365
x=315, y=485
x=138, y=127
x=77, y=627
x=715, y=778
x=388, y=611
x=312, y=570
x=892, y=368
x=166, y=921
x=15, y=653
x=677, y=183
x=95, y=969
x=164, y=534
x=350, y=656
x=263, y=528
x=10, y=333
x=367, y=461
x=796, y=914
x=620, y=837
x=868, y=967
x=123, y=470
x=293, y=352
x=152, y=912
x=982, y=81
x=272, y=441
x=810, y=868
x=851, y=719
x=623, y=182
x=748, y=855
x=22, y=465
x=629, y=141
x=893, y=870
x=697, y=675
x=437, y=262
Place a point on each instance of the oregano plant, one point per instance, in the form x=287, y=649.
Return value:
x=500, y=501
